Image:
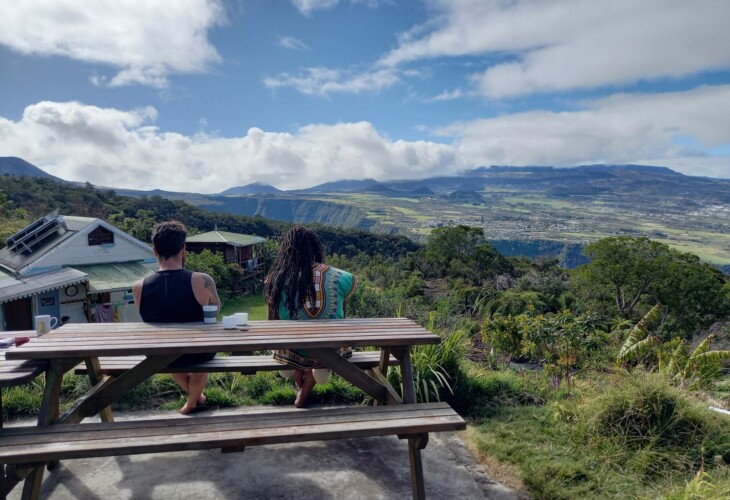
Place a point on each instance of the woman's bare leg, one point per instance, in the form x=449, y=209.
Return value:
x=298, y=378
x=307, y=386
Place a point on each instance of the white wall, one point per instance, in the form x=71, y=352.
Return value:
x=80, y=252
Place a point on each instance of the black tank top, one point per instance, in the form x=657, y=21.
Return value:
x=167, y=297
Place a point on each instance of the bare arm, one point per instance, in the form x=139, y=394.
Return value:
x=137, y=293
x=205, y=290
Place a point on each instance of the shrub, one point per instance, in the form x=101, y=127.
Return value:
x=654, y=427
x=481, y=393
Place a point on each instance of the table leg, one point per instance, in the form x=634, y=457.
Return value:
x=93, y=369
x=383, y=366
x=48, y=412
x=109, y=390
x=375, y=388
x=414, y=443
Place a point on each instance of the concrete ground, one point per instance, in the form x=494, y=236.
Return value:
x=370, y=468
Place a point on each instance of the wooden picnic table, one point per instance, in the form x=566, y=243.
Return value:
x=17, y=372
x=161, y=344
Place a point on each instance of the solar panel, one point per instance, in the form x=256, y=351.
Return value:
x=31, y=237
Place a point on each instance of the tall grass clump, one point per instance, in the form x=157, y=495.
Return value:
x=22, y=400
x=482, y=393
x=435, y=367
x=644, y=423
x=704, y=486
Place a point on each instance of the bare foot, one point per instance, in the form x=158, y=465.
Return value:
x=187, y=408
x=303, y=394
x=202, y=399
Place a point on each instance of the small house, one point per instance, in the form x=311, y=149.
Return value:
x=240, y=249
x=78, y=269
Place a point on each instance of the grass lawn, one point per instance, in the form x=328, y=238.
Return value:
x=254, y=305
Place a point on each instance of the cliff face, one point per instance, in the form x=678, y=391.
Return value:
x=293, y=210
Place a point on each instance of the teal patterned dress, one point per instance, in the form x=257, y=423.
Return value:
x=332, y=289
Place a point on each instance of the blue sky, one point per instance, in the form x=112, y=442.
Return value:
x=201, y=95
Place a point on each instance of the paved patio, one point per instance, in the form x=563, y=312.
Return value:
x=371, y=468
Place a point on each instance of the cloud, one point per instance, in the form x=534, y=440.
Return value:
x=111, y=147
x=306, y=7
x=146, y=41
x=621, y=128
x=289, y=42
x=446, y=95
x=572, y=44
x=124, y=148
x=324, y=81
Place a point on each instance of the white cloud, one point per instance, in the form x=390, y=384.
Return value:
x=618, y=129
x=446, y=95
x=306, y=7
x=325, y=81
x=111, y=147
x=289, y=42
x=572, y=44
x=146, y=40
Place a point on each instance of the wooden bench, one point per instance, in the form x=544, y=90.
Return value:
x=230, y=433
x=247, y=365
x=18, y=372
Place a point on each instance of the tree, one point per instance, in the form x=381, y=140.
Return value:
x=214, y=265
x=630, y=275
x=463, y=252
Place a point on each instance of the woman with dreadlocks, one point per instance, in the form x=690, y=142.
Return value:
x=300, y=286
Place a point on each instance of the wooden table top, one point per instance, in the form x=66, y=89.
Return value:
x=76, y=340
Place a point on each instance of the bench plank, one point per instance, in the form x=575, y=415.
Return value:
x=221, y=364
x=23, y=445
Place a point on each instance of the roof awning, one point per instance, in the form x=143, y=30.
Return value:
x=39, y=283
x=114, y=277
x=235, y=239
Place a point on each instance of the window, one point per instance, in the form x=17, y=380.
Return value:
x=101, y=236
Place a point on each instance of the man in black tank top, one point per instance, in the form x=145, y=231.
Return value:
x=175, y=295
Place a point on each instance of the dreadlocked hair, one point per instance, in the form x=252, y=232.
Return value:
x=291, y=276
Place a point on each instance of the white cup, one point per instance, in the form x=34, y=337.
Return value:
x=241, y=319
x=44, y=324
x=229, y=322
x=210, y=313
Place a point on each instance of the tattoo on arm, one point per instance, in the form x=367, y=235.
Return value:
x=209, y=284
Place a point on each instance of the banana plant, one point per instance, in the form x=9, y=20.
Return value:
x=696, y=369
x=640, y=341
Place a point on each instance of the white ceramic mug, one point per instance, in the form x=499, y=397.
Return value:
x=241, y=319
x=229, y=322
x=45, y=323
x=210, y=313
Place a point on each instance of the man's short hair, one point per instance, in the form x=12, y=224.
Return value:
x=168, y=238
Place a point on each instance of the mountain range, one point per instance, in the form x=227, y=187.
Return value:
x=534, y=210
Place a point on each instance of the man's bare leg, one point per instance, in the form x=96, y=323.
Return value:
x=196, y=386
x=182, y=379
x=298, y=378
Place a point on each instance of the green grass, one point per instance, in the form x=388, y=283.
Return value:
x=254, y=305
x=613, y=436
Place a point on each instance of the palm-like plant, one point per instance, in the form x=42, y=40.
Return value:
x=640, y=341
x=696, y=369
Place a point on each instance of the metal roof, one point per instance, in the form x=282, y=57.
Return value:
x=16, y=260
x=75, y=226
x=235, y=239
x=114, y=277
x=39, y=283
